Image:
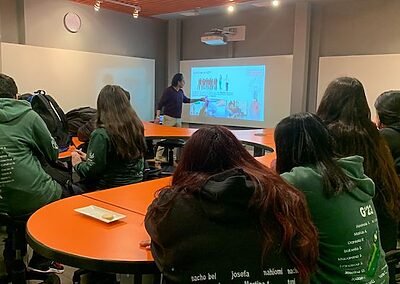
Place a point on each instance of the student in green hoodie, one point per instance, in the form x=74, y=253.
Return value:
x=339, y=197
x=24, y=138
x=115, y=155
x=344, y=110
x=24, y=185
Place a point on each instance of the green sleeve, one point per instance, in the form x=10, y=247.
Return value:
x=96, y=161
x=43, y=140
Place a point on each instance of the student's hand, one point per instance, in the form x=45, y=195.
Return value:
x=81, y=154
x=157, y=120
x=75, y=158
x=145, y=244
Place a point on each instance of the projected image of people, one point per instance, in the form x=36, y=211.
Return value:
x=231, y=92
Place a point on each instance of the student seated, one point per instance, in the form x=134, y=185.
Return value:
x=24, y=185
x=227, y=218
x=344, y=110
x=116, y=148
x=87, y=129
x=387, y=106
x=339, y=197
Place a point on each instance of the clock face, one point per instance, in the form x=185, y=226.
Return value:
x=72, y=22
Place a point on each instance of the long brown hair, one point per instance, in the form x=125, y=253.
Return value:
x=281, y=210
x=344, y=109
x=116, y=115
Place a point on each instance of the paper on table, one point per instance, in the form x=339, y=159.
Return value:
x=99, y=213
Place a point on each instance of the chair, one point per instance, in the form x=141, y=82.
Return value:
x=171, y=144
x=393, y=260
x=110, y=278
x=15, y=250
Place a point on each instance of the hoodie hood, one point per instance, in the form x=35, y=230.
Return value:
x=225, y=196
x=11, y=109
x=395, y=127
x=354, y=169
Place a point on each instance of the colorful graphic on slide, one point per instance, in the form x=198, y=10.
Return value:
x=235, y=92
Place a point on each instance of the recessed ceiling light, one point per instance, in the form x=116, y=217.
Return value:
x=275, y=3
x=231, y=8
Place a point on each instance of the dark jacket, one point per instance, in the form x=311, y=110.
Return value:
x=392, y=136
x=212, y=237
x=171, y=100
x=349, y=244
x=387, y=224
x=104, y=168
x=24, y=141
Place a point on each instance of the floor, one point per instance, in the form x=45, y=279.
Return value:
x=66, y=277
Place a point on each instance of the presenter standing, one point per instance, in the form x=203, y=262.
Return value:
x=171, y=100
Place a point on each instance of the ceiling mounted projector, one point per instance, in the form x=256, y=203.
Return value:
x=215, y=37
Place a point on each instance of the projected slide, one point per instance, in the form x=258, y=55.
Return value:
x=232, y=92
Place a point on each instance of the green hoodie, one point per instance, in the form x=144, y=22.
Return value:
x=349, y=244
x=104, y=168
x=24, y=137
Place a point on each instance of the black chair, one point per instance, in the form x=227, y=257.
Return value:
x=105, y=278
x=15, y=250
x=393, y=261
x=170, y=145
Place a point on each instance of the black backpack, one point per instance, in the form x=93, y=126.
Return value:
x=79, y=117
x=53, y=116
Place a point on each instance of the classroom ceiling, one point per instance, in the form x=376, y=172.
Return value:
x=151, y=8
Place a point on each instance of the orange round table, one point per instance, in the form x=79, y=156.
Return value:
x=262, y=138
x=57, y=232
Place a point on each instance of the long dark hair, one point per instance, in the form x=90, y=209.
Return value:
x=303, y=140
x=278, y=206
x=388, y=108
x=116, y=115
x=344, y=109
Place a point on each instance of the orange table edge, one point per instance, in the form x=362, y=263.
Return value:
x=57, y=232
x=133, y=197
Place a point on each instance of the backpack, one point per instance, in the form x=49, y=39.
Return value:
x=79, y=117
x=53, y=116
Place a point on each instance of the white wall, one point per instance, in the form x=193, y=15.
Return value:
x=74, y=78
x=378, y=73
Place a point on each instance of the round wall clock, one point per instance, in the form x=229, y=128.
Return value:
x=72, y=22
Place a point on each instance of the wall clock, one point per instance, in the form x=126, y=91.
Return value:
x=72, y=22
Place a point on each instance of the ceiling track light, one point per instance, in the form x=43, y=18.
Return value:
x=97, y=5
x=136, y=11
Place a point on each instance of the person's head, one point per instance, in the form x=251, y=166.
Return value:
x=210, y=151
x=121, y=122
x=178, y=81
x=387, y=106
x=345, y=100
x=279, y=209
x=8, y=88
x=303, y=140
x=344, y=110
